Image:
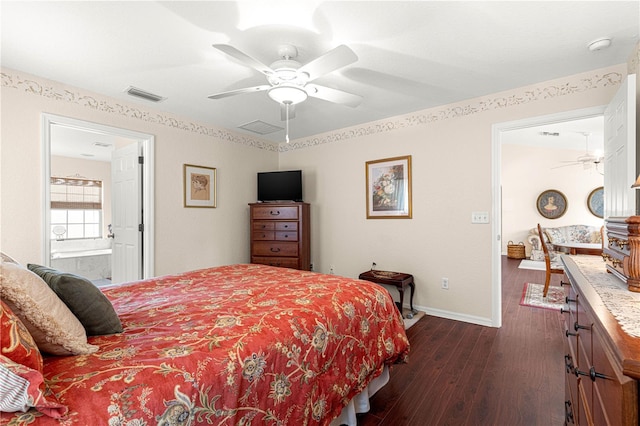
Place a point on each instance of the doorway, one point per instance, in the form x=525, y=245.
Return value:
x=80, y=239
x=498, y=136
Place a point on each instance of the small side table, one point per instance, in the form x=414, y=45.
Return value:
x=398, y=279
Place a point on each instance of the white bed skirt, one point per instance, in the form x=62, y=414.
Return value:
x=360, y=402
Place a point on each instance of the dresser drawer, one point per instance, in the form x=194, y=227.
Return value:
x=274, y=212
x=286, y=226
x=264, y=235
x=286, y=236
x=273, y=248
x=283, y=262
x=265, y=225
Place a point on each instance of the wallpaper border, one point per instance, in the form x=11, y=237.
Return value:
x=476, y=106
x=42, y=88
x=516, y=97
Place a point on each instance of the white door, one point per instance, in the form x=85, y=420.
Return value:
x=126, y=214
x=620, y=151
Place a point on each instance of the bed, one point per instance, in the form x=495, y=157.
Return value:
x=238, y=344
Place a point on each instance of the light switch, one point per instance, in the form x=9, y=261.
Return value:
x=480, y=217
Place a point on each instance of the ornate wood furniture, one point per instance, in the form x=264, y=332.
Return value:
x=280, y=235
x=602, y=360
x=622, y=251
x=547, y=263
x=398, y=279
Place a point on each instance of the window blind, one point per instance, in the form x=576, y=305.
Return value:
x=72, y=193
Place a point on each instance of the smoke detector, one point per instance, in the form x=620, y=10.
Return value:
x=599, y=44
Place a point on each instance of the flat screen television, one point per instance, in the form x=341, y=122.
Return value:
x=280, y=186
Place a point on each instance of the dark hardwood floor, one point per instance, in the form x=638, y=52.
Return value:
x=465, y=374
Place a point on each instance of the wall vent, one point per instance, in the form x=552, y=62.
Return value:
x=260, y=127
x=139, y=93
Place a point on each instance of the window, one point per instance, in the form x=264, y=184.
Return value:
x=76, y=208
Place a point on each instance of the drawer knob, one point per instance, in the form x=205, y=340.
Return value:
x=592, y=374
x=577, y=326
x=568, y=333
x=564, y=311
x=563, y=283
x=276, y=213
x=275, y=249
x=567, y=300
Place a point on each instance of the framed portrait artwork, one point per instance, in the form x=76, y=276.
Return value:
x=551, y=204
x=389, y=188
x=595, y=202
x=199, y=186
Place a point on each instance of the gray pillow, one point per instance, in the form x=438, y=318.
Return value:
x=92, y=308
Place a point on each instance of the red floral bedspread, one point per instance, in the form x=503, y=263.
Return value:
x=240, y=344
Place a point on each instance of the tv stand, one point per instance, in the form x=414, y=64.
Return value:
x=280, y=234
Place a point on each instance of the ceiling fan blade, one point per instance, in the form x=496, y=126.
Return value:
x=336, y=58
x=244, y=58
x=240, y=91
x=283, y=112
x=333, y=95
x=566, y=165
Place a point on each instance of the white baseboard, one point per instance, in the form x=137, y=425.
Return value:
x=456, y=316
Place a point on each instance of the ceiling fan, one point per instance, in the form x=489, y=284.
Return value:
x=289, y=82
x=587, y=159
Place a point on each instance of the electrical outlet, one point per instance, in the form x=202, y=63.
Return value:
x=332, y=270
x=311, y=266
x=445, y=283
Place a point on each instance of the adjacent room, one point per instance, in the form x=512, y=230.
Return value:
x=320, y=212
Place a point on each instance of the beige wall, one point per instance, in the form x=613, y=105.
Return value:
x=185, y=238
x=526, y=172
x=452, y=165
x=451, y=157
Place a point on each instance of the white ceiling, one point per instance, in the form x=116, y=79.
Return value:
x=412, y=55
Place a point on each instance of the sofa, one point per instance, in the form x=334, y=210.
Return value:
x=581, y=238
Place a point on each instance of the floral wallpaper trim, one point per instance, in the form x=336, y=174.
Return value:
x=110, y=106
x=476, y=106
x=479, y=105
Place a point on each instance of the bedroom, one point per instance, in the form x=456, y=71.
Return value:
x=448, y=152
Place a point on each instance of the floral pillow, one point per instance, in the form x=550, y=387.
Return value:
x=22, y=388
x=16, y=342
x=555, y=236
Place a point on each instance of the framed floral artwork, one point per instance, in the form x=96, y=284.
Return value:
x=551, y=204
x=595, y=202
x=199, y=186
x=389, y=188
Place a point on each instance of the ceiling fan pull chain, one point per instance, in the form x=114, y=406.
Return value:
x=286, y=107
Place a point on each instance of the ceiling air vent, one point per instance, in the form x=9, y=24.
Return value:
x=549, y=134
x=260, y=127
x=139, y=93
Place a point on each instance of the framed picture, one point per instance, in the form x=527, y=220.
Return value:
x=199, y=186
x=595, y=202
x=389, y=188
x=551, y=204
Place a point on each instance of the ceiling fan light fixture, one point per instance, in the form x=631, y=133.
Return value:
x=287, y=94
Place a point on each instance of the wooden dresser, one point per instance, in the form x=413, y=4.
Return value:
x=602, y=361
x=280, y=235
x=622, y=250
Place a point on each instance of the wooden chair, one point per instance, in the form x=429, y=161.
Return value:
x=547, y=263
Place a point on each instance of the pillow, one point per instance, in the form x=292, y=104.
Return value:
x=16, y=342
x=555, y=236
x=50, y=322
x=85, y=300
x=22, y=388
x=5, y=258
